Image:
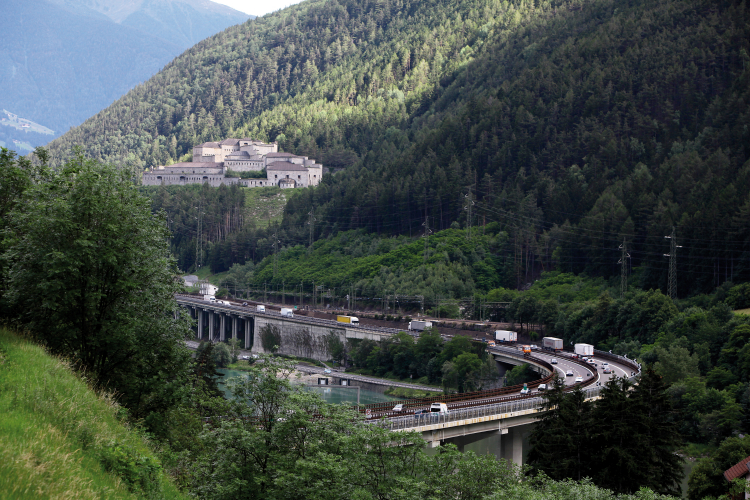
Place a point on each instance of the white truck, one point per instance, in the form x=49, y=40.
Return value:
x=260, y=309
x=552, y=344
x=419, y=325
x=440, y=408
x=209, y=298
x=506, y=336
x=286, y=312
x=584, y=349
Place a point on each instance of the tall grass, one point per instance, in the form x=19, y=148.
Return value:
x=58, y=439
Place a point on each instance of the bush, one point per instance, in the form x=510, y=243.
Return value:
x=222, y=356
x=739, y=296
x=139, y=472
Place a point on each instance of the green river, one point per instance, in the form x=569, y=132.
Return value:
x=333, y=394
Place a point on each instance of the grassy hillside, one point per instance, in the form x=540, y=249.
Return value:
x=60, y=440
x=264, y=206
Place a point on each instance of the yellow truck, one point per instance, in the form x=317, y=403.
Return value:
x=348, y=319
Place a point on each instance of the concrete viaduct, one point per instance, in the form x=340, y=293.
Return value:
x=298, y=335
x=511, y=417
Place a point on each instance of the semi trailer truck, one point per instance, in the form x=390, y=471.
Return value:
x=552, y=344
x=419, y=325
x=506, y=336
x=584, y=349
x=353, y=320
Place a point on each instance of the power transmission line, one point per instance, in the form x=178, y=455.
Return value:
x=426, y=236
x=623, y=269
x=672, y=287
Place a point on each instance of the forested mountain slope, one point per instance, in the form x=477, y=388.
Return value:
x=576, y=125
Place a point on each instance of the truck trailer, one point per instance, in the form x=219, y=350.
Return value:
x=353, y=320
x=584, y=349
x=286, y=312
x=506, y=336
x=419, y=325
x=552, y=344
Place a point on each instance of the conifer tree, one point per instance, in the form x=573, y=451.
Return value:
x=560, y=439
x=661, y=467
x=618, y=438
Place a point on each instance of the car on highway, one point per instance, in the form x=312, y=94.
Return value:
x=579, y=379
x=607, y=369
x=554, y=361
x=569, y=373
x=244, y=304
x=542, y=387
x=399, y=407
x=327, y=370
x=525, y=390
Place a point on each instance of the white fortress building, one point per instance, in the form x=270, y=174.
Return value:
x=212, y=160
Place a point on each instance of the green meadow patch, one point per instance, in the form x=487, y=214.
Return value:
x=58, y=439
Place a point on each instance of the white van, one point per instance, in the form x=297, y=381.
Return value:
x=286, y=312
x=260, y=309
x=440, y=408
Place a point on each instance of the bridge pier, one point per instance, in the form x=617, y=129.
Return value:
x=222, y=326
x=199, y=313
x=247, y=333
x=512, y=444
x=211, y=326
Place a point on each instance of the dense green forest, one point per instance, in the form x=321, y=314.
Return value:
x=86, y=273
x=576, y=125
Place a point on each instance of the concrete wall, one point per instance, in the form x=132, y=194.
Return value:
x=297, y=338
x=160, y=179
x=299, y=177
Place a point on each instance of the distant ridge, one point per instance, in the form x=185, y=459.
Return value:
x=63, y=61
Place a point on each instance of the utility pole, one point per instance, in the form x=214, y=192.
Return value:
x=311, y=222
x=198, y=242
x=426, y=236
x=623, y=268
x=265, y=293
x=283, y=293
x=672, y=287
x=300, y=295
x=468, y=206
x=275, y=255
